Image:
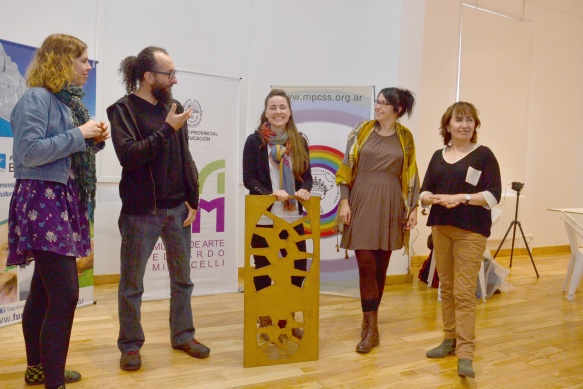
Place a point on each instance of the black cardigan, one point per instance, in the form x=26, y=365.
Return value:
x=136, y=153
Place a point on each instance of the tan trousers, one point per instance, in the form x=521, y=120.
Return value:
x=458, y=256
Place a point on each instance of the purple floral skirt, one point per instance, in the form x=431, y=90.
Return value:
x=47, y=216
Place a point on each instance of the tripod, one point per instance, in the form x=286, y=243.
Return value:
x=514, y=223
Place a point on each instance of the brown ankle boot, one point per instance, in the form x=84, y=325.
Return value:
x=371, y=336
x=376, y=334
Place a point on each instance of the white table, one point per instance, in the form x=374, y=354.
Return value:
x=578, y=211
x=574, y=233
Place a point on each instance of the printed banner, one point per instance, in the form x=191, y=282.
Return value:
x=326, y=115
x=212, y=130
x=15, y=281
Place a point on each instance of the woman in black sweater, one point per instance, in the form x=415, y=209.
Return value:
x=461, y=185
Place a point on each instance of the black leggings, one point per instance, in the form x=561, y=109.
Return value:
x=372, y=270
x=257, y=241
x=48, y=314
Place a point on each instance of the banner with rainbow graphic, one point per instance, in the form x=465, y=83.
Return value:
x=326, y=114
x=325, y=160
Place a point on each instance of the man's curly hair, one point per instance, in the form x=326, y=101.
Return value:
x=132, y=68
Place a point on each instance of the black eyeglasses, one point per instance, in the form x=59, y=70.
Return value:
x=171, y=74
x=383, y=104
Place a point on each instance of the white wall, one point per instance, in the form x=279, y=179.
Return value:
x=408, y=43
x=30, y=21
x=554, y=125
x=554, y=159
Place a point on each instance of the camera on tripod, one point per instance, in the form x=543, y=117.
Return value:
x=517, y=186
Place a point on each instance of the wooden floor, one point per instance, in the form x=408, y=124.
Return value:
x=531, y=337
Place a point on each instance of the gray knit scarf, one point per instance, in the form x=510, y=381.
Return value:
x=82, y=163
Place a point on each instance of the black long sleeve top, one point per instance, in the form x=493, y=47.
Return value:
x=443, y=177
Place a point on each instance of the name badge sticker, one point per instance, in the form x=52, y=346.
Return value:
x=473, y=176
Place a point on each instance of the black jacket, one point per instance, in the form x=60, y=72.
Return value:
x=136, y=153
x=256, y=168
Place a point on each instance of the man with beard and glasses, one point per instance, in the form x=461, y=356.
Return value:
x=159, y=195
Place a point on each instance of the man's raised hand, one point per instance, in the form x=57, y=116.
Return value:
x=177, y=120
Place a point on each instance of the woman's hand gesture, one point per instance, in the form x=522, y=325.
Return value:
x=91, y=129
x=105, y=133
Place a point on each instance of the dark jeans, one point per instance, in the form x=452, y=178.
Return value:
x=48, y=314
x=139, y=234
x=257, y=241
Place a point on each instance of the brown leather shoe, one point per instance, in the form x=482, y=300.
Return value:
x=194, y=348
x=130, y=360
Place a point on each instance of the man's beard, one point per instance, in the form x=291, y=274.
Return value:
x=162, y=94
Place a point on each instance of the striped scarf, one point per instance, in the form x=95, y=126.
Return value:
x=279, y=155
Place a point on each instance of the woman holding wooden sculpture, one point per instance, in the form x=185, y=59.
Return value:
x=379, y=188
x=276, y=162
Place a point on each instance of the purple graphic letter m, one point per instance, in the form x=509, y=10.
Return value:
x=217, y=204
